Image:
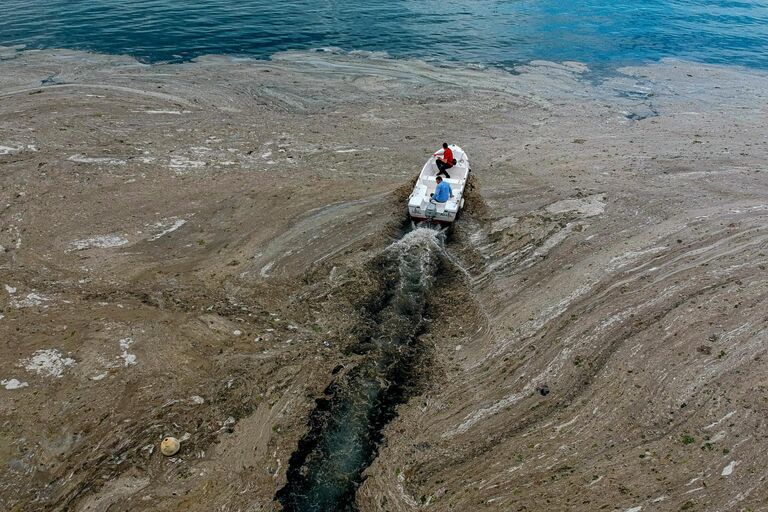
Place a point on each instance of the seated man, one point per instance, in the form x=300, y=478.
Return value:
x=445, y=160
x=442, y=192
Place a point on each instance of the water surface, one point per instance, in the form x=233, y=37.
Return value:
x=602, y=33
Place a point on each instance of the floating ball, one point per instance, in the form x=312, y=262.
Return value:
x=169, y=446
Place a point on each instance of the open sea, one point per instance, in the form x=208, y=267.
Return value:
x=601, y=33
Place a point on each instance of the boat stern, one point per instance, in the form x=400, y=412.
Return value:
x=421, y=208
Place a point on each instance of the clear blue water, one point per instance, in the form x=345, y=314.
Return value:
x=598, y=32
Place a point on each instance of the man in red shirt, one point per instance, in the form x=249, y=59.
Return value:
x=446, y=161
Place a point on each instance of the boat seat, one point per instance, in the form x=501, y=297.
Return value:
x=450, y=181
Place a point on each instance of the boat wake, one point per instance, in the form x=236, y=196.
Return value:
x=345, y=429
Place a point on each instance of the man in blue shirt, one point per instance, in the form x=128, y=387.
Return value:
x=442, y=191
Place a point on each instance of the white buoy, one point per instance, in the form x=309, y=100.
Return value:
x=169, y=446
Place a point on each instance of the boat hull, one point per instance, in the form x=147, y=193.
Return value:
x=420, y=205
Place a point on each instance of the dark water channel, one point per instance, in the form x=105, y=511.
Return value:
x=345, y=429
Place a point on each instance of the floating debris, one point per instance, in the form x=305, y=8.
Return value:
x=728, y=470
x=101, y=242
x=128, y=359
x=32, y=299
x=166, y=227
x=48, y=362
x=13, y=384
x=169, y=446
x=83, y=159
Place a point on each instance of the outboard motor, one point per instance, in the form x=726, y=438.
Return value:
x=430, y=211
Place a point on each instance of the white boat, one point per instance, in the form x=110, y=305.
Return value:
x=421, y=207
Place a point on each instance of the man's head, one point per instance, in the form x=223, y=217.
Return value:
x=439, y=179
x=445, y=145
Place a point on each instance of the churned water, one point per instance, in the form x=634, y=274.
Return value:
x=602, y=33
x=345, y=429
